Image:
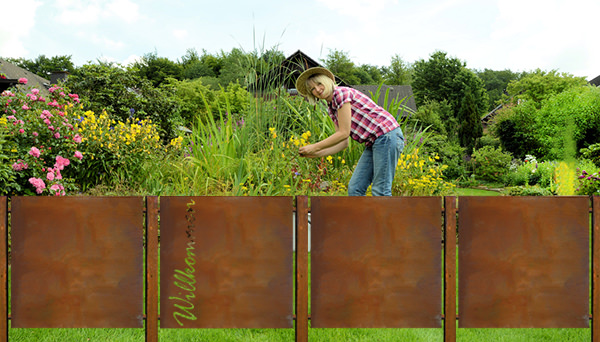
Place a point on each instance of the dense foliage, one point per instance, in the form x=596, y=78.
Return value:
x=198, y=126
x=443, y=79
x=124, y=95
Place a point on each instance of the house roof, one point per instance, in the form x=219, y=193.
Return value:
x=286, y=74
x=14, y=72
x=595, y=81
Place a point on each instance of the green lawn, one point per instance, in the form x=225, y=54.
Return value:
x=476, y=192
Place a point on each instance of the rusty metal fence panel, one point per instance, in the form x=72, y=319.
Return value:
x=524, y=262
x=77, y=262
x=226, y=262
x=376, y=262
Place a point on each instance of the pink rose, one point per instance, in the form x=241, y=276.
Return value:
x=34, y=152
x=50, y=176
x=61, y=163
x=20, y=165
x=23, y=80
x=57, y=135
x=21, y=131
x=35, y=134
x=38, y=184
x=58, y=190
x=35, y=91
x=78, y=155
x=77, y=138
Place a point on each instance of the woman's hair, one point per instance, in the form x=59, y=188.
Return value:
x=324, y=80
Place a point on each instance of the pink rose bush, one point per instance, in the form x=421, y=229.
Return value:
x=41, y=139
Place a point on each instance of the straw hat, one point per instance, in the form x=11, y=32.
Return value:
x=301, y=81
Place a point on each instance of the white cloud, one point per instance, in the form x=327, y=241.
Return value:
x=74, y=12
x=106, y=42
x=363, y=10
x=180, y=34
x=16, y=27
x=550, y=35
x=124, y=9
x=130, y=60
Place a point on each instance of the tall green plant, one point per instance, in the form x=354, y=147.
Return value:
x=216, y=151
x=396, y=106
x=7, y=175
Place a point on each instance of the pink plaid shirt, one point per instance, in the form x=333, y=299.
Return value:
x=369, y=120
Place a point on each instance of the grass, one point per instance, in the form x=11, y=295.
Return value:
x=476, y=192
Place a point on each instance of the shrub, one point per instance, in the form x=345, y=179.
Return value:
x=116, y=150
x=420, y=175
x=450, y=154
x=588, y=182
x=529, y=191
x=531, y=172
x=490, y=164
x=122, y=94
x=7, y=174
x=42, y=141
x=518, y=174
x=592, y=153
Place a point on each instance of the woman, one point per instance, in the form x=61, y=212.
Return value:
x=357, y=116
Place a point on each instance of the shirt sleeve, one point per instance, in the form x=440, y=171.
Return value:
x=341, y=96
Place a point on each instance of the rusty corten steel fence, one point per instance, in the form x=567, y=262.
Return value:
x=229, y=262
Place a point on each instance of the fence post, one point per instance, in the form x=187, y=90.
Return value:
x=3, y=269
x=596, y=269
x=301, y=272
x=151, y=329
x=449, y=269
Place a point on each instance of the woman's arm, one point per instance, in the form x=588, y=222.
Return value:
x=335, y=142
x=330, y=150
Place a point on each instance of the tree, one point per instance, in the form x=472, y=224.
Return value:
x=157, y=69
x=495, y=84
x=340, y=65
x=369, y=74
x=434, y=79
x=470, y=128
x=447, y=79
x=398, y=73
x=44, y=66
x=195, y=66
x=540, y=85
x=234, y=68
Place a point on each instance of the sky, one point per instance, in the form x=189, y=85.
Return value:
x=516, y=35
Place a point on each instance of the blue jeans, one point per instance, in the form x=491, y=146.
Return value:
x=377, y=166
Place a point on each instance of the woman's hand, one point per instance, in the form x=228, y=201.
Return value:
x=308, y=151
